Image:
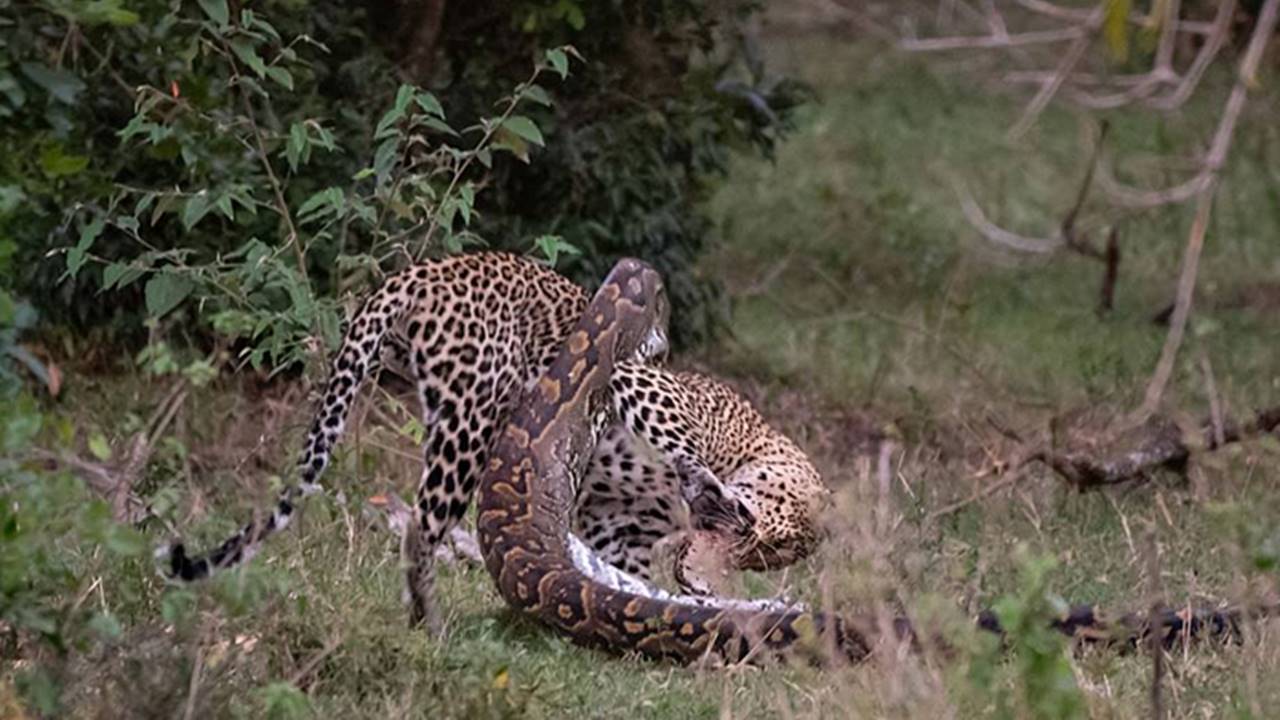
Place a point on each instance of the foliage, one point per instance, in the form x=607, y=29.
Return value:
x=1039, y=652
x=51, y=529
x=257, y=165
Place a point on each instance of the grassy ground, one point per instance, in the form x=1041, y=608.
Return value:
x=861, y=299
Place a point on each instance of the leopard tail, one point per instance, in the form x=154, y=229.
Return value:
x=357, y=359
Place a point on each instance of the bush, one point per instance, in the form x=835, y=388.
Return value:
x=248, y=162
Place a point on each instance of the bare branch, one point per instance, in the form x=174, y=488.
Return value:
x=1213, y=44
x=1038, y=77
x=1215, y=402
x=991, y=41
x=999, y=235
x=1168, y=34
x=995, y=20
x=1139, y=198
x=857, y=14
x=1078, y=14
x=1181, y=309
x=1262, y=32
x=1069, y=61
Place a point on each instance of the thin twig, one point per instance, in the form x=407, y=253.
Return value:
x=1155, y=639
x=1219, y=30
x=1069, y=61
x=281, y=206
x=991, y=41
x=466, y=163
x=1215, y=402
x=189, y=709
x=978, y=219
x=1013, y=476
x=1189, y=27
x=334, y=643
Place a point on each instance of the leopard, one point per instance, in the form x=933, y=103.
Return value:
x=678, y=424
x=473, y=332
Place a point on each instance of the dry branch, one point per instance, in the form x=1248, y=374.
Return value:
x=1219, y=29
x=972, y=42
x=1066, y=66
x=1195, y=243
x=115, y=482
x=1068, y=235
x=1157, y=444
x=1078, y=14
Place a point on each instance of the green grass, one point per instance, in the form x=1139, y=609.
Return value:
x=856, y=285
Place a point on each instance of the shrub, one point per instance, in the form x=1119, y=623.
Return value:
x=247, y=161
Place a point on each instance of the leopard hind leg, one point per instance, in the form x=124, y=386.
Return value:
x=462, y=414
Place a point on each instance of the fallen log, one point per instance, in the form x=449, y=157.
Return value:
x=1159, y=443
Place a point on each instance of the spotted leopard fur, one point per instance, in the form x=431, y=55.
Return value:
x=473, y=332
x=699, y=424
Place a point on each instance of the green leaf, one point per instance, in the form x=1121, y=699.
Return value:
x=297, y=145
x=112, y=274
x=384, y=158
x=30, y=362
x=248, y=55
x=1115, y=27
x=77, y=255
x=127, y=224
x=507, y=140
x=196, y=207
x=439, y=125
x=329, y=200
x=165, y=291
x=217, y=11
x=573, y=15
x=120, y=276
x=223, y=204
x=126, y=541
x=429, y=104
x=99, y=446
x=62, y=85
x=96, y=12
x=537, y=94
x=177, y=605
x=12, y=90
x=11, y=196
x=389, y=118
x=559, y=61
x=56, y=163
x=281, y=76
x=253, y=86
x=525, y=128
x=283, y=701
x=325, y=137
x=106, y=626
x=466, y=201
x=404, y=96
x=551, y=246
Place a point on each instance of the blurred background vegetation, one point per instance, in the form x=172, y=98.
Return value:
x=191, y=194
